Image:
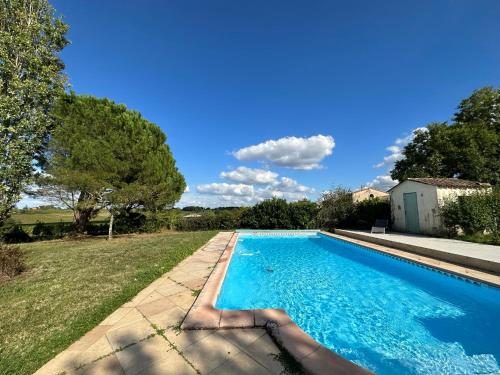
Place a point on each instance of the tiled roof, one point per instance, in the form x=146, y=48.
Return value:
x=369, y=188
x=450, y=183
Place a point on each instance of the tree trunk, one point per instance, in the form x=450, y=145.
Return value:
x=110, y=230
x=83, y=212
x=82, y=218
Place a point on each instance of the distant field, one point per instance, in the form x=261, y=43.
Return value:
x=50, y=215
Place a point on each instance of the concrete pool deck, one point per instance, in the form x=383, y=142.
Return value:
x=468, y=254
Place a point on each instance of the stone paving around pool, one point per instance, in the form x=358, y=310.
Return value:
x=144, y=337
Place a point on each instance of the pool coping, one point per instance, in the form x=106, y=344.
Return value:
x=427, y=261
x=314, y=357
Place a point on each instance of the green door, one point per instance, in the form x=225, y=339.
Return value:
x=411, y=212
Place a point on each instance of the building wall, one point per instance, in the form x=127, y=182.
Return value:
x=364, y=194
x=444, y=194
x=427, y=203
x=429, y=200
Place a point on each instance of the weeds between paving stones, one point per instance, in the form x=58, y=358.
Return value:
x=290, y=365
x=181, y=284
x=196, y=292
x=177, y=328
x=161, y=332
x=122, y=348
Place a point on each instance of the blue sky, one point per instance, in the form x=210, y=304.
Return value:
x=221, y=76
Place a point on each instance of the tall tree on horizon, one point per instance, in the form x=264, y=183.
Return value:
x=103, y=155
x=31, y=78
x=469, y=148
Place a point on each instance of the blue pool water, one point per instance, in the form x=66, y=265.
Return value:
x=390, y=316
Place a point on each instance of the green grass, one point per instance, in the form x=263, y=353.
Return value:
x=50, y=215
x=71, y=286
x=479, y=238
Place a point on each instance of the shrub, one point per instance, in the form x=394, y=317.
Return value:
x=12, y=232
x=336, y=209
x=129, y=222
x=477, y=213
x=11, y=260
x=303, y=214
x=97, y=228
x=369, y=210
x=205, y=221
x=47, y=231
x=270, y=214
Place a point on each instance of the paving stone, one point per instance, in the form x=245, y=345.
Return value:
x=132, y=316
x=240, y=364
x=183, y=300
x=183, y=339
x=264, y=351
x=168, y=318
x=156, y=307
x=180, y=276
x=202, y=318
x=90, y=338
x=143, y=299
x=174, y=364
x=171, y=288
x=195, y=284
x=143, y=354
x=210, y=352
x=105, y=366
x=242, y=337
x=129, y=334
x=100, y=348
x=116, y=315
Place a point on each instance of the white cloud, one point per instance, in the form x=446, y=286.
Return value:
x=223, y=188
x=224, y=194
x=186, y=190
x=290, y=152
x=383, y=182
x=287, y=184
x=250, y=176
x=396, y=150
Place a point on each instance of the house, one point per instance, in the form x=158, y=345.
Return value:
x=368, y=193
x=415, y=202
x=192, y=215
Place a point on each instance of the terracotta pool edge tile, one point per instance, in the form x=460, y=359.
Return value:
x=237, y=319
x=310, y=354
x=203, y=314
x=323, y=361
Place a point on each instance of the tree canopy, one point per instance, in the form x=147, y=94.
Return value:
x=103, y=155
x=469, y=148
x=31, y=77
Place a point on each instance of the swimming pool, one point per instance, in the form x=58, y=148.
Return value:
x=385, y=314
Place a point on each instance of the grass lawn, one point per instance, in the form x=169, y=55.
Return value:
x=479, y=238
x=72, y=285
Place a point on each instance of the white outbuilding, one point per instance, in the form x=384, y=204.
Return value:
x=416, y=202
